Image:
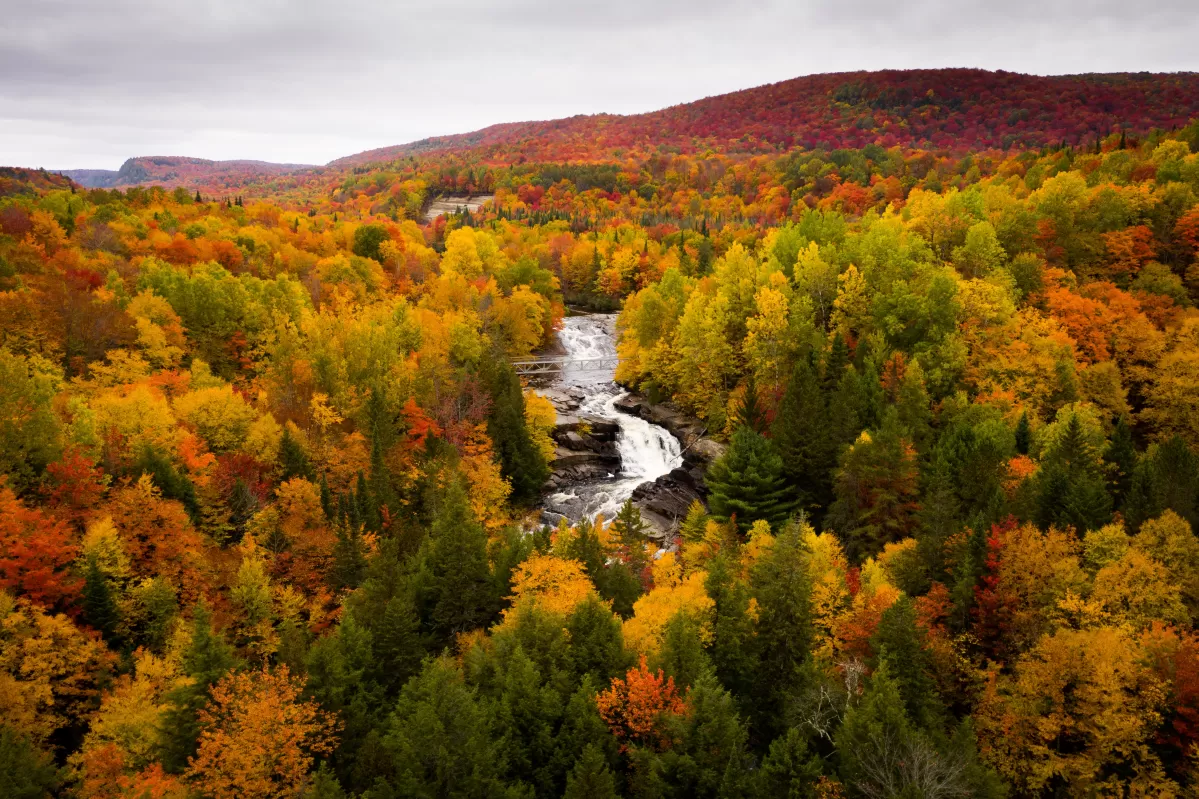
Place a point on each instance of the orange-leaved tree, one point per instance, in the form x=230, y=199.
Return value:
x=258, y=737
x=637, y=707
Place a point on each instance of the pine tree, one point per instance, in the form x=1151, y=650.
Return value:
x=207, y=659
x=99, y=608
x=682, y=654
x=1023, y=434
x=747, y=483
x=591, y=778
x=750, y=412
x=874, y=736
x=458, y=593
x=26, y=771
x=630, y=531
x=789, y=768
x=520, y=461
x=1071, y=488
x=596, y=642
x=802, y=437
x=1121, y=460
x=293, y=461
x=898, y=640
x=732, y=646
x=782, y=587
x=327, y=504
x=349, y=560
x=398, y=647
x=913, y=407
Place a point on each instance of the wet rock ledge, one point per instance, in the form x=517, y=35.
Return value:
x=664, y=502
x=586, y=444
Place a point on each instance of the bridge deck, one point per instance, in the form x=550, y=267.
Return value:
x=545, y=366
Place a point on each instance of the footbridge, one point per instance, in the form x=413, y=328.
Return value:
x=555, y=366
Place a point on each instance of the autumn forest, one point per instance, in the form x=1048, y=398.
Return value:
x=271, y=489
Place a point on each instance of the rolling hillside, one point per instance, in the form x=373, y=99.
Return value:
x=954, y=109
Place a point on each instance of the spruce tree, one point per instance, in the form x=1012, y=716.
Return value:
x=732, y=645
x=520, y=461
x=591, y=778
x=747, y=483
x=99, y=608
x=1071, y=487
x=750, y=412
x=398, y=646
x=1120, y=457
x=783, y=589
x=596, y=642
x=801, y=435
x=695, y=525
x=207, y=659
x=1023, y=434
x=293, y=461
x=789, y=769
x=26, y=771
x=898, y=640
x=349, y=560
x=630, y=531
x=457, y=591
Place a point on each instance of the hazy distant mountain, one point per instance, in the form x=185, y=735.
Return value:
x=177, y=170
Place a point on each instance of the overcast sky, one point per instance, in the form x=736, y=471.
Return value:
x=88, y=84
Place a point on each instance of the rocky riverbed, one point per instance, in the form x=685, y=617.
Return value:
x=614, y=445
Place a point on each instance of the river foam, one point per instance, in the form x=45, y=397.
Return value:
x=647, y=451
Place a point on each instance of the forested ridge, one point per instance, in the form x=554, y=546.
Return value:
x=268, y=513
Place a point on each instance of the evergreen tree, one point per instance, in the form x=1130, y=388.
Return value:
x=327, y=504
x=457, y=591
x=682, y=655
x=293, y=461
x=26, y=772
x=835, y=363
x=1023, y=434
x=349, y=560
x=709, y=757
x=198, y=198
x=591, y=778
x=524, y=717
x=596, y=642
x=875, y=737
x=898, y=640
x=747, y=483
x=398, y=646
x=731, y=648
x=1071, y=487
x=789, y=770
x=802, y=437
x=750, y=412
x=99, y=608
x=520, y=461
x=913, y=407
x=436, y=742
x=1120, y=458
x=630, y=531
x=207, y=659
x=783, y=590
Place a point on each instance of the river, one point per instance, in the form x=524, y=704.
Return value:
x=646, y=450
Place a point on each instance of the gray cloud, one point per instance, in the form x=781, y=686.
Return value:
x=87, y=84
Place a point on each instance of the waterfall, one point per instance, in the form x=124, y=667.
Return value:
x=647, y=451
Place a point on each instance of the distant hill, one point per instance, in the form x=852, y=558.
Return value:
x=954, y=109
x=180, y=171
x=19, y=180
